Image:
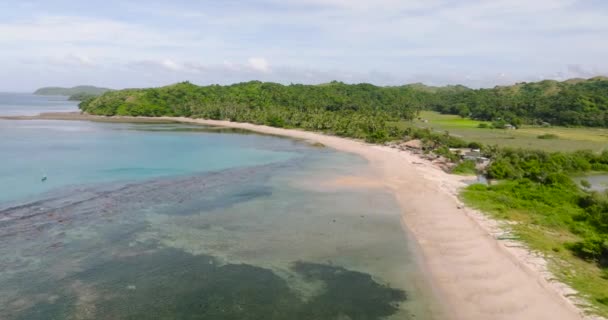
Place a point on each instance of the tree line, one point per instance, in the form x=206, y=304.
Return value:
x=361, y=111
x=569, y=103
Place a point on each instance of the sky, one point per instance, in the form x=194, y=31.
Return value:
x=478, y=43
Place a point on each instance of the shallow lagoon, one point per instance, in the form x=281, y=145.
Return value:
x=189, y=222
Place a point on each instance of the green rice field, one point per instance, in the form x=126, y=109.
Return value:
x=567, y=139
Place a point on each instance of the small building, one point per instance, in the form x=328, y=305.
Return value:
x=472, y=155
x=469, y=154
x=460, y=151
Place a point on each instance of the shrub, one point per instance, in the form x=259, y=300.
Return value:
x=465, y=168
x=478, y=187
x=275, y=121
x=499, y=124
x=446, y=153
x=585, y=184
x=474, y=145
x=501, y=169
x=593, y=248
x=558, y=179
x=548, y=136
x=602, y=300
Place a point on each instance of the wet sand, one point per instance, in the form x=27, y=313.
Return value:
x=477, y=276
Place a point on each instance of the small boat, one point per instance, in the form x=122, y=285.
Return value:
x=43, y=178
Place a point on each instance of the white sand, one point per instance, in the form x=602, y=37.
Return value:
x=478, y=276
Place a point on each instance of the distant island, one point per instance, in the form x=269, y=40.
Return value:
x=78, y=93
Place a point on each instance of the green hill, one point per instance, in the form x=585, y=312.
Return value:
x=574, y=102
x=60, y=91
x=355, y=110
x=434, y=89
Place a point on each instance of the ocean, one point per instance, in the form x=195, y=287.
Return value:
x=176, y=221
x=26, y=104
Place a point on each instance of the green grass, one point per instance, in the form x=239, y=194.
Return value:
x=568, y=139
x=542, y=217
x=548, y=136
x=449, y=121
x=465, y=168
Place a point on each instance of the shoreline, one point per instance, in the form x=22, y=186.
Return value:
x=478, y=276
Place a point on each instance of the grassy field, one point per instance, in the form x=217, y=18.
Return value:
x=568, y=139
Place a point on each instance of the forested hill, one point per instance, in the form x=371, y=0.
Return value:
x=81, y=90
x=360, y=110
x=575, y=102
x=363, y=110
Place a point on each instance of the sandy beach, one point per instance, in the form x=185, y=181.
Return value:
x=478, y=276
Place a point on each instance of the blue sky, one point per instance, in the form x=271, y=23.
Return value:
x=478, y=43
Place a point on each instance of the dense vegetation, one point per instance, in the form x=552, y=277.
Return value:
x=78, y=90
x=554, y=215
x=560, y=219
x=544, y=178
x=360, y=111
x=540, y=166
x=467, y=167
x=569, y=103
x=81, y=96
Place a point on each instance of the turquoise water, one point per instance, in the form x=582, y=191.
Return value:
x=168, y=221
x=72, y=153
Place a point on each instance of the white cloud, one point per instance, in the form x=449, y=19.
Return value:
x=82, y=59
x=49, y=29
x=170, y=65
x=67, y=60
x=258, y=64
x=95, y=38
x=384, y=41
x=365, y=5
x=252, y=67
x=231, y=66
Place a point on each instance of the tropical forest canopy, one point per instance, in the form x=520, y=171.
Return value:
x=359, y=110
x=575, y=102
